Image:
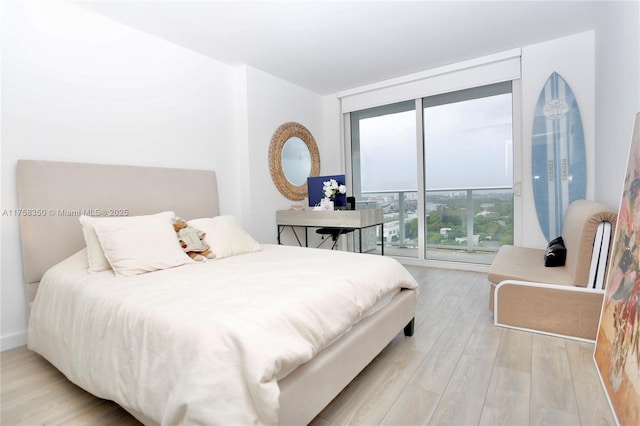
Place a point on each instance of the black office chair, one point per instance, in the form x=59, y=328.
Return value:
x=335, y=232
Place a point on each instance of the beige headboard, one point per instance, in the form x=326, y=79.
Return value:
x=54, y=194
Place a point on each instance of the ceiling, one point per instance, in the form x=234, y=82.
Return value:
x=330, y=46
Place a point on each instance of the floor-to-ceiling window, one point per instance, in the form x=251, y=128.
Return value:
x=384, y=166
x=468, y=163
x=461, y=145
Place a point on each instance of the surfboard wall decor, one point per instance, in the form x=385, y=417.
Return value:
x=559, y=166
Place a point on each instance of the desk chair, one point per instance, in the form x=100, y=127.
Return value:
x=335, y=232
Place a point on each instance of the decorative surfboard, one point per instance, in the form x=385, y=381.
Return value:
x=558, y=155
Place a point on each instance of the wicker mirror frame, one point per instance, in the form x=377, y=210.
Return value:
x=279, y=138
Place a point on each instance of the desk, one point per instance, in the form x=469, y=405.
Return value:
x=357, y=219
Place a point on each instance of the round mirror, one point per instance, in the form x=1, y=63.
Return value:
x=293, y=157
x=296, y=161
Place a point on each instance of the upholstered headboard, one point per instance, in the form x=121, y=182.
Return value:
x=54, y=194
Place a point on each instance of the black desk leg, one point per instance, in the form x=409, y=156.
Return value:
x=295, y=234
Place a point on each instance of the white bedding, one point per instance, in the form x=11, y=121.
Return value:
x=205, y=343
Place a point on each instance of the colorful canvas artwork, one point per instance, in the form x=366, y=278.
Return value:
x=617, y=353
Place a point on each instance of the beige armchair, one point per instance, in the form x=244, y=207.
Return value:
x=554, y=300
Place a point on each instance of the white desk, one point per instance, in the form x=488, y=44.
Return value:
x=357, y=219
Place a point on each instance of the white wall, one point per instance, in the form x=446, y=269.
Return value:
x=617, y=95
x=79, y=87
x=271, y=102
x=573, y=58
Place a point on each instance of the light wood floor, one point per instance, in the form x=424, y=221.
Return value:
x=457, y=369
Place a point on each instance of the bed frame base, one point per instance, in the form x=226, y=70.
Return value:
x=336, y=366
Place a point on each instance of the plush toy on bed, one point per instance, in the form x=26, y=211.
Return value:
x=192, y=241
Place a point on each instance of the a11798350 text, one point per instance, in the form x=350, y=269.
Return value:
x=36, y=212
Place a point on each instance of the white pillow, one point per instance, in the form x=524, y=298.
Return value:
x=225, y=236
x=139, y=244
x=95, y=255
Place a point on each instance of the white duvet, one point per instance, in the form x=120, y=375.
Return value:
x=204, y=343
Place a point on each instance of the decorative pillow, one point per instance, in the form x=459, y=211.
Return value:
x=139, y=244
x=556, y=253
x=225, y=236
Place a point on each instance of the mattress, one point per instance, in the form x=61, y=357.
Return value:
x=205, y=343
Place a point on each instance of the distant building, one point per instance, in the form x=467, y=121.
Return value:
x=432, y=207
x=476, y=239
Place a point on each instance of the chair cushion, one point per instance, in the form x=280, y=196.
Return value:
x=525, y=264
x=333, y=231
x=579, y=229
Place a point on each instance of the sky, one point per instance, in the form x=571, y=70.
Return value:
x=467, y=145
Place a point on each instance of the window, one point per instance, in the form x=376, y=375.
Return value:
x=461, y=145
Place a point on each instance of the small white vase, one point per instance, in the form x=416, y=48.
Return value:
x=326, y=204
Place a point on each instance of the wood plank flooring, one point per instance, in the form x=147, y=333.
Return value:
x=458, y=369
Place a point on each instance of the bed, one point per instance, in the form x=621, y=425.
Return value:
x=234, y=340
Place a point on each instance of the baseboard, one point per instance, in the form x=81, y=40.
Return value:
x=13, y=341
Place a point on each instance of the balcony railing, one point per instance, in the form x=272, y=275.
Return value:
x=475, y=220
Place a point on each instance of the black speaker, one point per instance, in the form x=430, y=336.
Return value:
x=351, y=203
